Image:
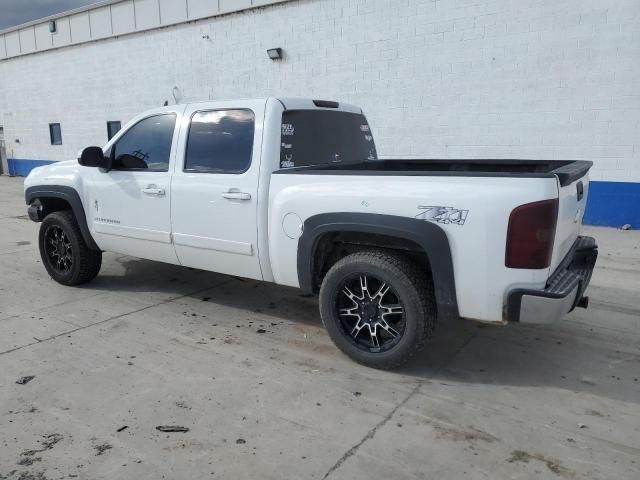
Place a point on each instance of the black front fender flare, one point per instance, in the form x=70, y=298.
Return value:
x=429, y=236
x=69, y=195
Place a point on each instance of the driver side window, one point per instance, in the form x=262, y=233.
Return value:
x=146, y=146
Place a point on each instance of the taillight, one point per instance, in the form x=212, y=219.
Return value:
x=532, y=229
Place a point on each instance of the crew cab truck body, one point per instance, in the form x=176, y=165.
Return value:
x=291, y=191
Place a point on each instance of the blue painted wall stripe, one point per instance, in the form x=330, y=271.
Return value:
x=611, y=204
x=21, y=167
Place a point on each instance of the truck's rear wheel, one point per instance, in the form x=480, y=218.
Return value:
x=64, y=252
x=378, y=308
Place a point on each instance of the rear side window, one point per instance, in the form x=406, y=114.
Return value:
x=220, y=141
x=324, y=137
x=146, y=146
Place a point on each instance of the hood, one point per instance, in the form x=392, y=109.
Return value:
x=58, y=173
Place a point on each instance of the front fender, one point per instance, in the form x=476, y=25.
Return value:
x=69, y=195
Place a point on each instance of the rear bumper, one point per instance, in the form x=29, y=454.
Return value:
x=564, y=290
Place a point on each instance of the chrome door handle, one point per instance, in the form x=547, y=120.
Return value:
x=236, y=196
x=155, y=191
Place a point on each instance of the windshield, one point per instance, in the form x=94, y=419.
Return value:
x=324, y=137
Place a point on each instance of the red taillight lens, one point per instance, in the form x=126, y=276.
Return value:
x=532, y=229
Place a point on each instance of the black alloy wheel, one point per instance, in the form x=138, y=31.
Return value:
x=64, y=252
x=371, y=313
x=58, y=250
x=378, y=307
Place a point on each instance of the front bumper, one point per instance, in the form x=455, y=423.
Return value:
x=564, y=290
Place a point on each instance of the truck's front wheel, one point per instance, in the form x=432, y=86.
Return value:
x=377, y=307
x=64, y=253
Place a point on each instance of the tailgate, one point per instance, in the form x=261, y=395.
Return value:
x=573, y=185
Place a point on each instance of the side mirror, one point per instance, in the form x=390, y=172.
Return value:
x=93, y=157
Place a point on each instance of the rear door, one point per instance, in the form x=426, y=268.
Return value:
x=129, y=206
x=215, y=188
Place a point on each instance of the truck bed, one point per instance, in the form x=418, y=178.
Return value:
x=567, y=171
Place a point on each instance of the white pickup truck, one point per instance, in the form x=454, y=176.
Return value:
x=291, y=191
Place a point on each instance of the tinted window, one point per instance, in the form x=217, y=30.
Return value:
x=146, y=145
x=55, y=134
x=112, y=129
x=322, y=137
x=220, y=141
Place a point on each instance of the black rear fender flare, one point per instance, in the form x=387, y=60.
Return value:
x=429, y=236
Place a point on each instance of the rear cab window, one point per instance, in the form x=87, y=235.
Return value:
x=325, y=137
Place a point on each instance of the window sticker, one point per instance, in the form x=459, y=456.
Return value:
x=288, y=161
x=288, y=129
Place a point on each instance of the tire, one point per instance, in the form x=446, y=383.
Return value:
x=64, y=252
x=345, y=313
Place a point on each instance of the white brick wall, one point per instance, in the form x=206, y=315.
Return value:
x=555, y=79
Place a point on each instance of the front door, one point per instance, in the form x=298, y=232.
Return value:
x=214, y=190
x=129, y=207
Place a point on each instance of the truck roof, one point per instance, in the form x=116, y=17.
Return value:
x=290, y=103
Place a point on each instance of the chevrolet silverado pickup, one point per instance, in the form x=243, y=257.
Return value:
x=292, y=191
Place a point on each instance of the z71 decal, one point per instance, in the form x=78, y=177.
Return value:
x=446, y=215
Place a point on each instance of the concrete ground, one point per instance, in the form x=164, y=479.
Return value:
x=248, y=368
